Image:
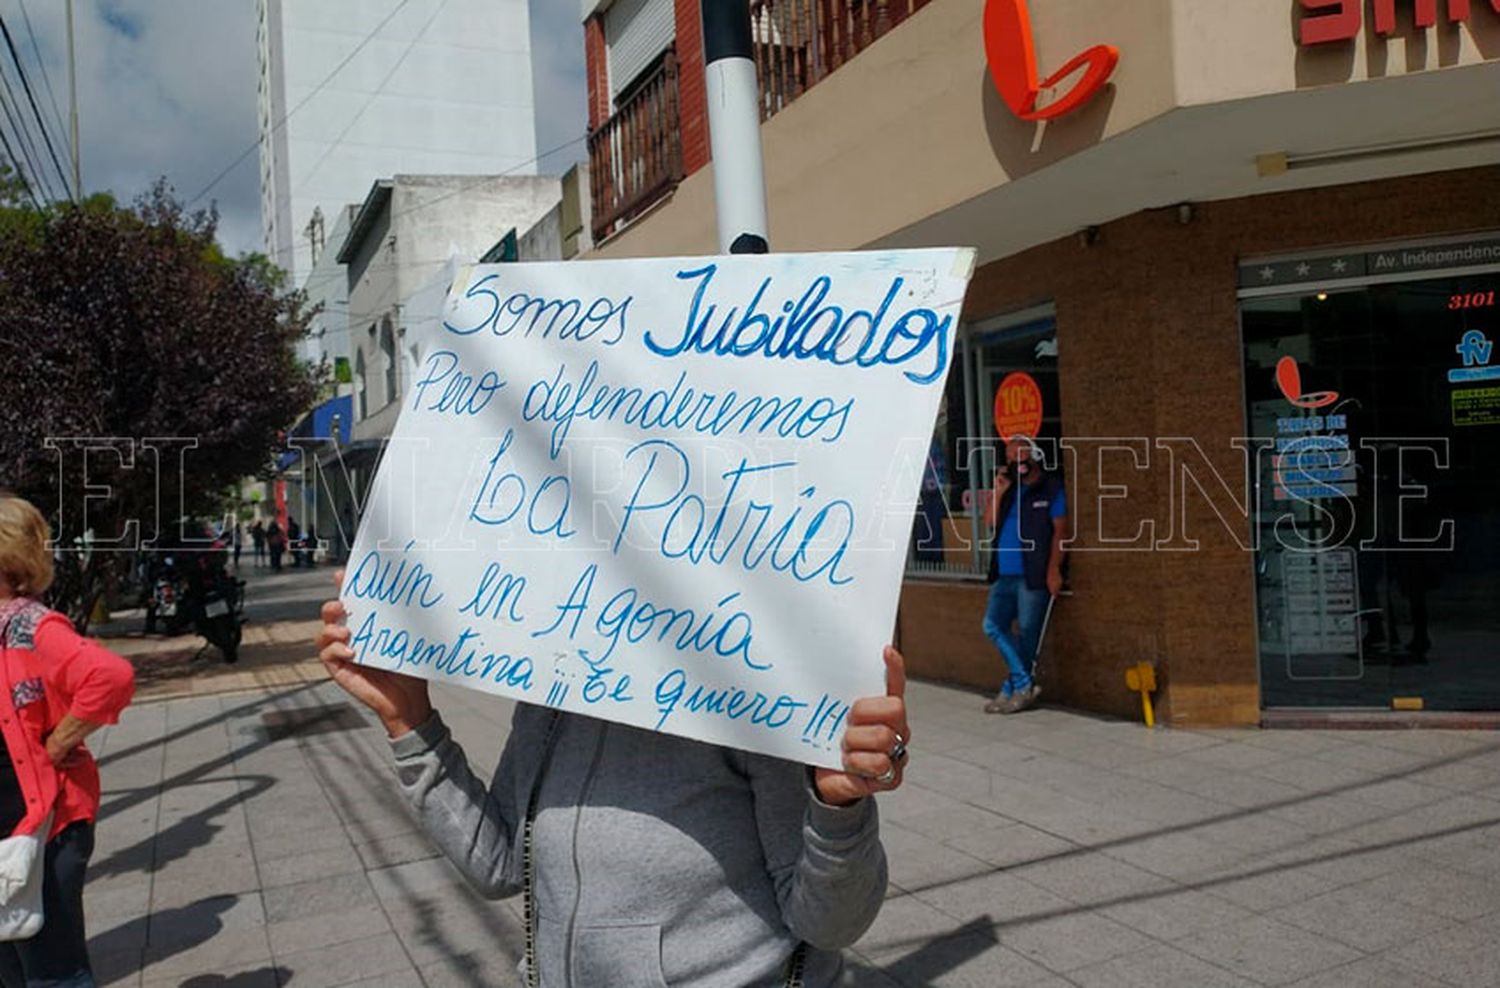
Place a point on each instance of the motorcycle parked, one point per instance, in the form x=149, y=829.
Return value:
x=193, y=588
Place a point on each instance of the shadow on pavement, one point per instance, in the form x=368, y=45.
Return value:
x=162, y=934
x=180, y=839
x=264, y=977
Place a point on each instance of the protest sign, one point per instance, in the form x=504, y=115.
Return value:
x=673, y=493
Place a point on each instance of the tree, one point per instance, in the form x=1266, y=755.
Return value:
x=132, y=323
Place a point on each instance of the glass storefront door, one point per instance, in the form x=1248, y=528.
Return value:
x=1378, y=559
x=947, y=536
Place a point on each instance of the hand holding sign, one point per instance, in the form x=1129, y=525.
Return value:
x=877, y=729
x=399, y=701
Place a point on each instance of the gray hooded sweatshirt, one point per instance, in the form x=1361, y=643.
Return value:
x=657, y=860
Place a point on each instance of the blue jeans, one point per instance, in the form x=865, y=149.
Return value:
x=1012, y=600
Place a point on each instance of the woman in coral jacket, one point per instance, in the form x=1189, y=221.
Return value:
x=58, y=689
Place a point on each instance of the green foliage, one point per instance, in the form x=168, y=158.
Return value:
x=131, y=322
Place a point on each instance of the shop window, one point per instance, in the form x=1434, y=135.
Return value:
x=1378, y=511
x=948, y=535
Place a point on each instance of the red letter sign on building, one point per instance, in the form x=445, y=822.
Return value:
x=1325, y=21
x=1009, y=48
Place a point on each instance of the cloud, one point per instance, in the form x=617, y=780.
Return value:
x=167, y=88
x=558, y=82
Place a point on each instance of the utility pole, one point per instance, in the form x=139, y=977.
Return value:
x=734, y=126
x=73, y=108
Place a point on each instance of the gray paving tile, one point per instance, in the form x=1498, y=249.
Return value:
x=357, y=922
x=1458, y=955
x=346, y=963
x=1362, y=917
x=992, y=898
x=435, y=927
x=1266, y=951
x=905, y=923
x=1156, y=966
x=296, y=868
x=965, y=961
x=1180, y=856
x=1233, y=756
x=1067, y=942
x=400, y=882
x=1264, y=890
x=918, y=862
x=1440, y=891
x=313, y=835
x=204, y=878
x=1371, y=972
x=401, y=849
x=1175, y=914
x=229, y=950
x=1010, y=845
x=319, y=897
x=947, y=823
x=1091, y=878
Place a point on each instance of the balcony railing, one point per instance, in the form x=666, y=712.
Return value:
x=799, y=42
x=635, y=157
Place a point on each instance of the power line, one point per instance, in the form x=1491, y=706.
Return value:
x=20, y=175
x=316, y=90
x=36, y=112
x=41, y=63
x=24, y=140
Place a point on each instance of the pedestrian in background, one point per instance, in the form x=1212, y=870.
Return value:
x=294, y=540
x=275, y=545
x=58, y=689
x=258, y=539
x=1029, y=515
x=239, y=541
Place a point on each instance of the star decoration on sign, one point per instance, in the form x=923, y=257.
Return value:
x=1267, y=273
x=1304, y=269
x=1340, y=265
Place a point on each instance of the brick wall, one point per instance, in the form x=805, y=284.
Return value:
x=692, y=106
x=596, y=67
x=1149, y=345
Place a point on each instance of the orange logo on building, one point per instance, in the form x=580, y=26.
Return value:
x=1011, y=52
x=1289, y=380
x=1018, y=406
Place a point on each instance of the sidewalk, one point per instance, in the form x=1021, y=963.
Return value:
x=255, y=839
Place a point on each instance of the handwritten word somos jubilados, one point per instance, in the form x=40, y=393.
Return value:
x=810, y=328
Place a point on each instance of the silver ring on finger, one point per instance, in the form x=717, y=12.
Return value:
x=898, y=750
x=888, y=776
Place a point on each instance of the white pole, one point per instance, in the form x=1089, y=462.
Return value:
x=73, y=107
x=734, y=127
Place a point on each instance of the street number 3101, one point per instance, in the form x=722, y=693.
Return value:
x=1471, y=300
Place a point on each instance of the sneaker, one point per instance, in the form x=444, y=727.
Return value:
x=1024, y=699
x=1003, y=703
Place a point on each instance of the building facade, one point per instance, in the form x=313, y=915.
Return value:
x=1238, y=265
x=397, y=260
x=351, y=91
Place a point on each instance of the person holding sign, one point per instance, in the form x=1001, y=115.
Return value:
x=647, y=858
x=1029, y=515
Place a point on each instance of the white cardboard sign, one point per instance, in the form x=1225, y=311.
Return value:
x=673, y=493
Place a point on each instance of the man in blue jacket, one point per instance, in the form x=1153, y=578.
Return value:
x=1029, y=515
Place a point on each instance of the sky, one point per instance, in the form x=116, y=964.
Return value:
x=166, y=88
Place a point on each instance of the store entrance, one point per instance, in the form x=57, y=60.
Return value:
x=1378, y=562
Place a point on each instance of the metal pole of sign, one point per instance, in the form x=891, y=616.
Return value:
x=734, y=126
